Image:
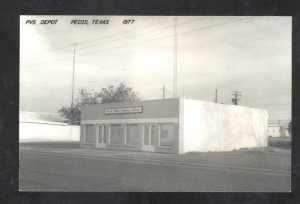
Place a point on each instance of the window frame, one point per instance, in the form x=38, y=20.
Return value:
x=85, y=135
x=159, y=136
x=104, y=132
x=110, y=127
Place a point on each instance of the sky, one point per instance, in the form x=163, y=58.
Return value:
x=247, y=54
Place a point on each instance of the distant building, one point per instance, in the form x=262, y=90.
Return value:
x=278, y=131
x=172, y=126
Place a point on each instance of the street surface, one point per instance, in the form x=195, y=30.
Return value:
x=75, y=169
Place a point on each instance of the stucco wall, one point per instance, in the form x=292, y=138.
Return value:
x=217, y=127
x=168, y=108
x=47, y=131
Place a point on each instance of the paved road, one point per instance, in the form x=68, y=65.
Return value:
x=75, y=169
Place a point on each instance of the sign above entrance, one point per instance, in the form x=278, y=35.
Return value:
x=138, y=109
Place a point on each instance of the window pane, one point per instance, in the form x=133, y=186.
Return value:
x=89, y=134
x=132, y=134
x=146, y=135
x=100, y=136
x=105, y=133
x=116, y=134
x=166, y=134
x=152, y=134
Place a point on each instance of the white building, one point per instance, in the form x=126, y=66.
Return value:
x=172, y=126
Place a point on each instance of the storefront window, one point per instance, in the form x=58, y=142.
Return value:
x=152, y=132
x=146, y=135
x=89, y=134
x=166, y=135
x=132, y=134
x=115, y=134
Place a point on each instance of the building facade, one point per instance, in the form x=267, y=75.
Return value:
x=172, y=126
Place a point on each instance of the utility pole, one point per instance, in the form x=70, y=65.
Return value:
x=216, y=96
x=235, y=99
x=73, y=83
x=163, y=92
x=175, y=59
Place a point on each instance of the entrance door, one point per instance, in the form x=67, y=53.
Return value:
x=148, y=137
x=101, y=136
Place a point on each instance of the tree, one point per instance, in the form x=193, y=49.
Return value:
x=106, y=95
x=72, y=115
x=117, y=94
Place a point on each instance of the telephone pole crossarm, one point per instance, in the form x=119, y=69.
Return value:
x=236, y=95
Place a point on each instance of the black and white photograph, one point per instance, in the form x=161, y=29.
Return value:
x=155, y=103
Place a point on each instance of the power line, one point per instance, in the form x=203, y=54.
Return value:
x=140, y=34
x=56, y=50
x=168, y=91
x=108, y=36
x=202, y=28
x=127, y=31
x=99, y=51
x=155, y=92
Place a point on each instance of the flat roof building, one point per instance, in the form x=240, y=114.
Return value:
x=172, y=126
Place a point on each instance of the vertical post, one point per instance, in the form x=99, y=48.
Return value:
x=164, y=92
x=73, y=83
x=235, y=99
x=175, y=59
x=216, y=96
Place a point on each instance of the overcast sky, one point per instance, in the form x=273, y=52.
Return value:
x=247, y=54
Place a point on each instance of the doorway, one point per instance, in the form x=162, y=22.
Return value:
x=102, y=136
x=148, y=135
